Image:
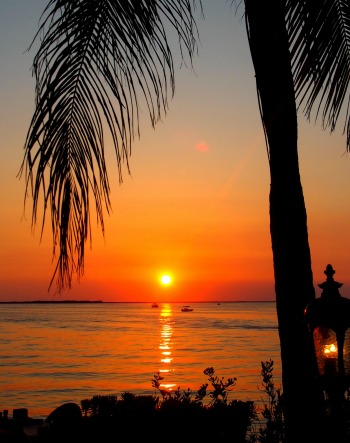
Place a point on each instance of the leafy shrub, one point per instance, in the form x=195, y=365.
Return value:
x=99, y=405
x=205, y=415
x=271, y=429
x=135, y=417
x=217, y=419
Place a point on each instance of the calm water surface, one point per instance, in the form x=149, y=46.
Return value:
x=54, y=353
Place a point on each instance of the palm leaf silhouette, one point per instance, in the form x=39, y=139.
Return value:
x=96, y=60
x=319, y=33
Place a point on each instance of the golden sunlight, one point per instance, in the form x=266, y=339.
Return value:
x=166, y=279
x=166, y=346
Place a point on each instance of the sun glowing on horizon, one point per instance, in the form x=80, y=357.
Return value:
x=166, y=279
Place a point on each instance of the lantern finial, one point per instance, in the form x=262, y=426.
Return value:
x=330, y=287
x=329, y=271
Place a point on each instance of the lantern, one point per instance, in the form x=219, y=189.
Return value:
x=328, y=318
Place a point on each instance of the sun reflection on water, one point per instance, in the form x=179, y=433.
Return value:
x=166, y=345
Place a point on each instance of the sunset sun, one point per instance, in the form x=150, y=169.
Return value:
x=166, y=279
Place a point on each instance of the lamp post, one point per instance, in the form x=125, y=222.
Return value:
x=328, y=318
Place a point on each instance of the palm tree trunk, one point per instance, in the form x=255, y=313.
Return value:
x=288, y=221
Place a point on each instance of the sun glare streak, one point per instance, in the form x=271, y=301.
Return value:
x=168, y=386
x=166, y=345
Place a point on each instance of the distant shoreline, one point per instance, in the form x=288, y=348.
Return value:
x=101, y=301
x=51, y=301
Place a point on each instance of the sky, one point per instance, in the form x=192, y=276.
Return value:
x=195, y=205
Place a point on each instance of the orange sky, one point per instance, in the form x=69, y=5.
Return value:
x=196, y=204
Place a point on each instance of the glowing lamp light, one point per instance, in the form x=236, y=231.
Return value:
x=330, y=351
x=328, y=318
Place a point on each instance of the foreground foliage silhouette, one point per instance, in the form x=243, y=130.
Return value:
x=271, y=428
x=205, y=415
x=183, y=415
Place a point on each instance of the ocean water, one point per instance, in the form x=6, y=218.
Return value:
x=60, y=352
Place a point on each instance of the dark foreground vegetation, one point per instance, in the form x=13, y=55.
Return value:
x=180, y=416
x=206, y=415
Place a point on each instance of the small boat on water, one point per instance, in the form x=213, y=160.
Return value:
x=186, y=308
x=155, y=305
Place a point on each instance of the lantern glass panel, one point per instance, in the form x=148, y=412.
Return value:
x=326, y=349
x=347, y=352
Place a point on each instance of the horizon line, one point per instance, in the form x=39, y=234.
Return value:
x=145, y=302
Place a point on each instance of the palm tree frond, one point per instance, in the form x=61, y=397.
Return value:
x=319, y=32
x=97, y=60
